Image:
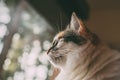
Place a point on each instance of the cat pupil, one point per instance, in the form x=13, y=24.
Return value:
x=55, y=43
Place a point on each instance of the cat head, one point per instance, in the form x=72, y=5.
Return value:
x=71, y=42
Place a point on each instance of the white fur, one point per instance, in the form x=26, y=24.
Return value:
x=73, y=59
x=68, y=71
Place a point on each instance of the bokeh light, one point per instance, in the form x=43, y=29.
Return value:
x=26, y=58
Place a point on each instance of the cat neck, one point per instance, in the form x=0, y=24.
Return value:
x=81, y=66
x=77, y=63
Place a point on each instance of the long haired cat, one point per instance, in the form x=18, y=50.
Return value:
x=80, y=55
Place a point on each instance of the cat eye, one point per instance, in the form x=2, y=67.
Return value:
x=53, y=47
x=54, y=43
x=61, y=40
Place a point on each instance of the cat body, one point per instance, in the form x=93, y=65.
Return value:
x=80, y=55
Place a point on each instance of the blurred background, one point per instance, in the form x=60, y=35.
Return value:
x=28, y=26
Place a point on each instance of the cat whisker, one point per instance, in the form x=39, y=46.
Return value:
x=58, y=28
x=61, y=21
x=64, y=49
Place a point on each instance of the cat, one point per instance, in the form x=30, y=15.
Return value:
x=79, y=54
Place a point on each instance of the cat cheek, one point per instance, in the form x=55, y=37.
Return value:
x=60, y=44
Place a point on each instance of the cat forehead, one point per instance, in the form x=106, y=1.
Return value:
x=59, y=35
x=64, y=34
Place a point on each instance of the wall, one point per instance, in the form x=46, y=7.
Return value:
x=105, y=20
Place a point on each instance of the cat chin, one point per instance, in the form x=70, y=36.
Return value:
x=57, y=65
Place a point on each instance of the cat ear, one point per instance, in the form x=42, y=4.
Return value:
x=76, y=24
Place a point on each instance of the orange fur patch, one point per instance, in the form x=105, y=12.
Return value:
x=60, y=35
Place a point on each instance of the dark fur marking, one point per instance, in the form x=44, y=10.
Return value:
x=95, y=40
x=70, y=35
